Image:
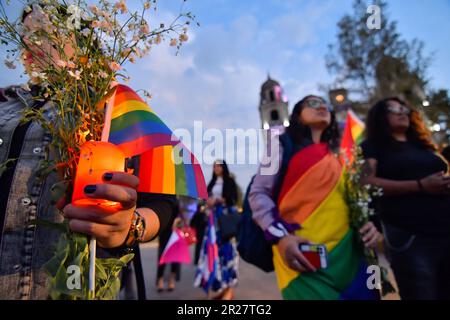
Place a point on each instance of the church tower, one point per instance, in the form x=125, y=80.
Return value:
x=273, y=105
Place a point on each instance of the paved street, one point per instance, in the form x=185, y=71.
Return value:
x=253, y=283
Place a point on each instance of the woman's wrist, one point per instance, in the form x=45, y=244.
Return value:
x=279, y=229
x=275, y=232
x=137, y=231
x=420, y=186
x=152, y=224
x=136, y=234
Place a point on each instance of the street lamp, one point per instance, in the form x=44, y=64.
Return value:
x=338, y=97
x=436, y=127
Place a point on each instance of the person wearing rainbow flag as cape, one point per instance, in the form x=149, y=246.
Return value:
x=309, y=208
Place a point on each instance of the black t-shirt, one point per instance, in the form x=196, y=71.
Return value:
x=418, y=213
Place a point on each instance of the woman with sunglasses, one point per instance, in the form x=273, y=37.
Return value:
x=303, y=203
x=415, y=206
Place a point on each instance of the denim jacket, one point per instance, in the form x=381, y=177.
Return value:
x=24, y=248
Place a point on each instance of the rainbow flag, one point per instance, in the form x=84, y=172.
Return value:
x=352, y=136
x=312, y=195
x=166, y=165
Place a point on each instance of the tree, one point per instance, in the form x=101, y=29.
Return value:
x=379, y=63
x=376, y=63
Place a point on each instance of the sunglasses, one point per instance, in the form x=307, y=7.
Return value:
x=317, y=103
x=399, y=109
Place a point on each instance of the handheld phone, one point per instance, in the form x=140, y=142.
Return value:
x=316, y=254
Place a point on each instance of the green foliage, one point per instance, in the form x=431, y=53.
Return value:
x=358, y=197
x=72, y=249
x=376, y=64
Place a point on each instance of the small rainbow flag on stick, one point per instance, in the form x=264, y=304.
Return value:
x=351, y=137
x=166, y=165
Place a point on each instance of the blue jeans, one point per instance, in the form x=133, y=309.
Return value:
x=421, y=265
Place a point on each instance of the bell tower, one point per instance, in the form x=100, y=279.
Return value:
x=273, y=105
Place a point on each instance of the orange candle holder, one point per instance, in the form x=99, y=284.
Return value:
x=96, y=158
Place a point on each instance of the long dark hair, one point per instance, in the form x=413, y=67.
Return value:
x=229, y=186
x=379, y=131
x=225, y=174
x=300, y=133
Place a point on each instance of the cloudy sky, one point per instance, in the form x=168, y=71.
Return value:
x=217, y=76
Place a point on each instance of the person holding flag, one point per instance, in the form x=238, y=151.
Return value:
x=303, y=203
x=145, y=205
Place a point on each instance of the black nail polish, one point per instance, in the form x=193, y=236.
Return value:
x=90, y=188
x=107, y=176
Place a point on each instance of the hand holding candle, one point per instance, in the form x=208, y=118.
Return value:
x=109, y=224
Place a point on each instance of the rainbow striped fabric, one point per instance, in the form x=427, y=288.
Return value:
x=352, y=135
x=312, y=195
x=166, y=165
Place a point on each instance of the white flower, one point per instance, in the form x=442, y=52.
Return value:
x=73, y=21
x=76, y=74
x=145, y=29
x=94, y=9
x=121, y=6
x=103, y=74
x=173, y=42
x=114, y=66
x=38, y=75
x=184, y=37
x=125, y=52
x=96, y=24
x=138, y=52
x=25, y=87
x=61, y=63
x=106, y=25
x=85, y=32
x=146, y=51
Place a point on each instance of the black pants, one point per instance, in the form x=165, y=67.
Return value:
x=174, y=268
x=421, y=264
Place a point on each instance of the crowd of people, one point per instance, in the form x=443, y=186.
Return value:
x=304, y=203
